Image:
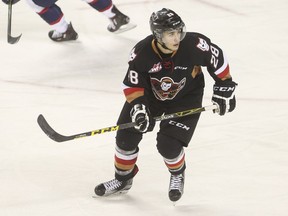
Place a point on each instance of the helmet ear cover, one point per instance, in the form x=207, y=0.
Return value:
x=166, y=20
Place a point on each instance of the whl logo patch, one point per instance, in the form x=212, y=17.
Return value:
x=156, y=68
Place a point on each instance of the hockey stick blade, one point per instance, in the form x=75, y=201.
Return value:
x=48, y=130
x=52, y=134
x=13, y=40
x=10, y=38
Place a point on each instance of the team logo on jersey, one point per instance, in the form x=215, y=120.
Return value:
x=156, y=68
x=132, y=55
x=203, y=45
x=166, y=88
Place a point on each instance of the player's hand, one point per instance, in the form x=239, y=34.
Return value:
x=140, y=114
x=13, y=1
x=223, y=96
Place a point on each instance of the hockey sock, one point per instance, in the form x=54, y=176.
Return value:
x=125, y=163
x=176, y=165
x=54, y=17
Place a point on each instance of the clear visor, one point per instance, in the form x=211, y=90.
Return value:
x=181, y=31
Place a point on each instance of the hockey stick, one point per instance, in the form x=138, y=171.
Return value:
x=10, y=39
x=50, y=132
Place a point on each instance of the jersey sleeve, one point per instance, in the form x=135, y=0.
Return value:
x=213, y=57
x=136, y=79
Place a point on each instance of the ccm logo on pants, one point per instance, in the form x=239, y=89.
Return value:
x=180, y=125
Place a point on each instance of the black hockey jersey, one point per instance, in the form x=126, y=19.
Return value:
x=169, y=78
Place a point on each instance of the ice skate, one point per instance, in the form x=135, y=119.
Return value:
x=70, y=34
x=113, y=186
x=176, y=187
x=120, y=22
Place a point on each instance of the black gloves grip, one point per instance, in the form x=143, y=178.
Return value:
x=140, y=114
x=223, y=96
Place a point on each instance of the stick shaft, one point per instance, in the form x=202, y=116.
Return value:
x=10, y=38
x=50, y=132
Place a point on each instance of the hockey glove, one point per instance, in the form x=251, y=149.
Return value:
x=223, y=96
x=140, y=114
x=13, y=1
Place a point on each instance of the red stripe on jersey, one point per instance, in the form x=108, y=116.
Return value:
x=132, y=90
x=224, y=72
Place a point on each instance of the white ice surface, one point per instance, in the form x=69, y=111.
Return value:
x=237, y=165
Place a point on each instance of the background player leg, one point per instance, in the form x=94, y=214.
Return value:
x=119, y=22
x=52, y=14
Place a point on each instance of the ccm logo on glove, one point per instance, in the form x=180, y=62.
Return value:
x=224, y=97
x=224, y=88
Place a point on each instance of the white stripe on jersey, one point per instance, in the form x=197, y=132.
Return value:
x=223, y=67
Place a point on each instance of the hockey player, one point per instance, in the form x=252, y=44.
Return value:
x=51, y=13
x=165, y=76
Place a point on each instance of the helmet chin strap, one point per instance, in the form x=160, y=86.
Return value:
x=164, y=46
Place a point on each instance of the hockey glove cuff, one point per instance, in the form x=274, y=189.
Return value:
x=224, y=97
x=140, y=114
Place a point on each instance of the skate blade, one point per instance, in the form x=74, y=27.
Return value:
x=113, y=194
x=125, y=28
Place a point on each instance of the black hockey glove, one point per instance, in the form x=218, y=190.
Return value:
x=13, y=1
x=141, y=115
x=223, y=96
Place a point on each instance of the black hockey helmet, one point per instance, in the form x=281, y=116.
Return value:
x=166, y=20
